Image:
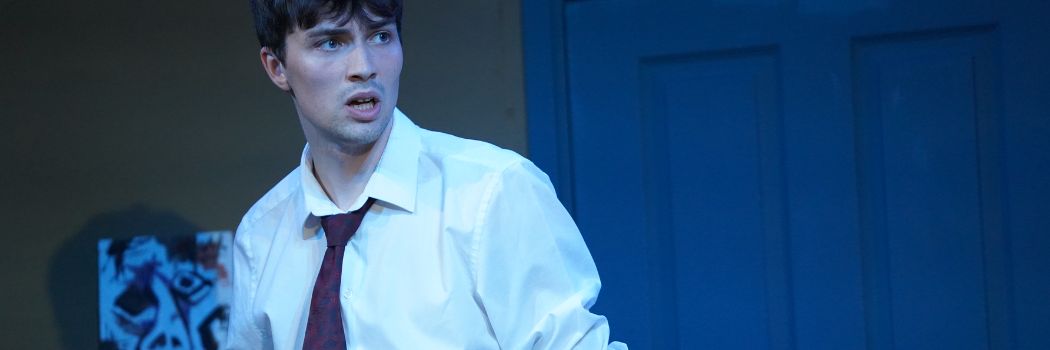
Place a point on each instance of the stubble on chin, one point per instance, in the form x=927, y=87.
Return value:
x=357, y=138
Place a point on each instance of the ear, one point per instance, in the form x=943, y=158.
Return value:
x=274, y=68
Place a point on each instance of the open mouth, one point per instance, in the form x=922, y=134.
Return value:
x=363, y=104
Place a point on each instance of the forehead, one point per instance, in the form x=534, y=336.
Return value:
x=358, y=18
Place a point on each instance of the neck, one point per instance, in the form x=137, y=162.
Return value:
x=343, y=171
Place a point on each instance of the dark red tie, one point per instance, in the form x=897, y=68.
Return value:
x=324, y=328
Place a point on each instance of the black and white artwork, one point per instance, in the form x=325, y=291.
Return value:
x=164, y=293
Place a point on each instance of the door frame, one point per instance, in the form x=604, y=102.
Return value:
x=547, y=109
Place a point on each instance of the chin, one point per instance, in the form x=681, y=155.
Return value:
x=362, y=134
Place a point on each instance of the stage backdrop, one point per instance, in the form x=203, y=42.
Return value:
x=811, y=174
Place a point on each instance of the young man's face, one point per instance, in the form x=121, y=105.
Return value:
x=343, y=79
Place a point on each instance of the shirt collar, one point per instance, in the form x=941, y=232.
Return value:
x=393, y=182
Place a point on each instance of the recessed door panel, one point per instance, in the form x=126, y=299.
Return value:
x=712, y=126
x=922, y=111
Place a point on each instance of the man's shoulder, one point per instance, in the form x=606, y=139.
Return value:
x=274, y=199
x=450, y=151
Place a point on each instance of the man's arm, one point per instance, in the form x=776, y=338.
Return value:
x=535, y=277
x=243, y=334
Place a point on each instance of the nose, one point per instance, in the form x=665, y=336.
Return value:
x=166, y=342
x=361, y=65
x=169, y=333
x=171, y=330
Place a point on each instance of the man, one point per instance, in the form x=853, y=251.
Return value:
x=454, y=244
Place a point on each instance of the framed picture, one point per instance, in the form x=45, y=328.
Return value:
x=170, y=292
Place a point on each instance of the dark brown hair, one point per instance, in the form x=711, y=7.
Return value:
x=275, y=19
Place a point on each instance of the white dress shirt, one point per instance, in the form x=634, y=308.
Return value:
x=467, y=247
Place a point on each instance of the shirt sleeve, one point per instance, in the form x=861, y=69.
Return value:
x=535, y=277
x=242, y=332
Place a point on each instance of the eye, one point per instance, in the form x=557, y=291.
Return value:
x=382, y=37
x=190, y=285
x=136, y=310
x=329, y=45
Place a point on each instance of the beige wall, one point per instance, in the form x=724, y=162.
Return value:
x=125, y=117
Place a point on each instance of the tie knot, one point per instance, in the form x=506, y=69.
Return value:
x=340, y=227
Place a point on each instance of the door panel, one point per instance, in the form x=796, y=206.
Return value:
x=922, y=108
x=811, y=174
x=724, y=215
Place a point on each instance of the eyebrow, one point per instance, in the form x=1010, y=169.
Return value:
x=337, y=31
x=379, y=24
x=318, y=32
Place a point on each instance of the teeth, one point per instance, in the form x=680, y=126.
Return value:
x=364, y=106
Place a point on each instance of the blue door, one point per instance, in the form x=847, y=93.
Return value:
x=810, y=174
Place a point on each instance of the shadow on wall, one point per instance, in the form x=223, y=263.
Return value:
x=73, y=271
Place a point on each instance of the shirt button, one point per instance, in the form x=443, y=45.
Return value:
x=346, y=294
